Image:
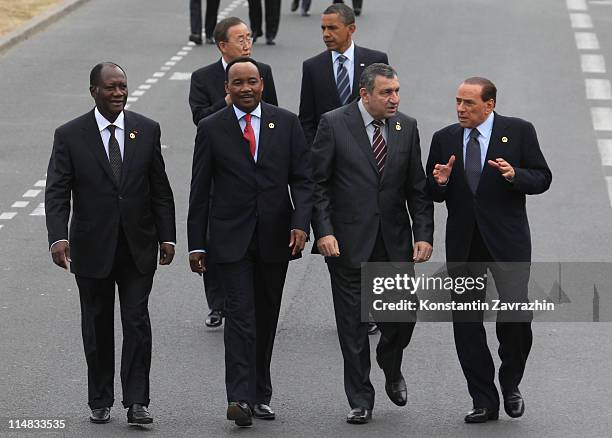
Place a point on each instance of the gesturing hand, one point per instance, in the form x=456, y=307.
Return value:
x=441, y=172
x=504, y=168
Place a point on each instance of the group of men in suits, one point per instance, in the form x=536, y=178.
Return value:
x=349, y=166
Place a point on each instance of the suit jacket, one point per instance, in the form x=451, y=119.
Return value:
x=141, y=204
x=249, y=195
x=319, y=93
x=353, y=200
x=207, y=92
x=498, y=207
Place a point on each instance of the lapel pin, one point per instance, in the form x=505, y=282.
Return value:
x=398, y=127
x=271, y=125
x=362, y=65
x=133, y=134
x=504, y=139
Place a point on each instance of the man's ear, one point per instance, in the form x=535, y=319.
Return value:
x=93, y=90
x=226, y=88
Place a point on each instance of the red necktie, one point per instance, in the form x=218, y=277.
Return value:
x=249, y=134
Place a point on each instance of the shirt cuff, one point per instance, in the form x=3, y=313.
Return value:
x=197, y=250
x=171, y=243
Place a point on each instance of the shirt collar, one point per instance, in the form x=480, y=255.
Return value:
x=240, y=114
x=103, y=123
x=224, y=64
x=366, y=116
x=485, y=128
x=349, y=53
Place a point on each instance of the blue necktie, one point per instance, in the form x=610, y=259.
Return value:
x=472, y=160
x=342, y=81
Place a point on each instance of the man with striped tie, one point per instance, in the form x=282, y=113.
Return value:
x=368, y=179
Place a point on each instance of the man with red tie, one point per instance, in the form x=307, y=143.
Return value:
x=251, y=151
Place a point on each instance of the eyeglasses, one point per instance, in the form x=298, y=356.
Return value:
x=243, y=41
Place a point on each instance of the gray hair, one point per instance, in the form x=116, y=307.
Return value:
x=371, y=71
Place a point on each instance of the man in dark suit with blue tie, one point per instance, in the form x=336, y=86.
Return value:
x=207, y=95
x=108, y=162
x=252, y=152
x=483, y=167
x=331, y=78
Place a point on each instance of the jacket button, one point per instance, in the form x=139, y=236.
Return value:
x=120, y=198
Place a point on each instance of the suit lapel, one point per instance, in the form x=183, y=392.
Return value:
x=496, y=147
x=235, y=137
x=93, y=140
x=130, y=143
x=358, y=67
x=357, y=130
x=393, y=141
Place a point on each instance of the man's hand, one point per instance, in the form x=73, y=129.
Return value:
x=328, y=246
x=197, y=262
x=60, y=253
x=441, y=172
x=422, y=251
x=504, y=168
x=297, y=241
x=166, y=253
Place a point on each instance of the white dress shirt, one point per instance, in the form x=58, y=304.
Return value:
x=485, y=129
x=105, y=133
x=255, y=123
x=368, y=119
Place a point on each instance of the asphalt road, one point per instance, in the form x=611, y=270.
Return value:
x=529, y=49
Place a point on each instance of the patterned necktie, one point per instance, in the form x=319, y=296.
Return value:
x=379, y=146
x=249, y=135
x=472, y=160
x=342, y=81
x=114, y=153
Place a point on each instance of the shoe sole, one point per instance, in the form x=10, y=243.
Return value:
x=265, y=417
x=356, y=421
x=213, y=325
x=511, y=415
x=96, y=421
x=238, y=416
x=484, y=420
x=140, y=421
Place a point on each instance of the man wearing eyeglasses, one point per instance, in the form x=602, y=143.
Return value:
x=207, y=96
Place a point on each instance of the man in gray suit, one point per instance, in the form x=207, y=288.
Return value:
x=368, y=175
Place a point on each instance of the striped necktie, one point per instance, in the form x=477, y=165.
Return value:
x=342, y=81
x=114, y=153
x=379, y=145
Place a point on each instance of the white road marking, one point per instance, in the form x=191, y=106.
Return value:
x=170, y=63
x=40, y=183
x=609, y=181
x=39, y=211
x=187, y=48
x=180, y=76
x=31, y=194
x=581, y=21
x=598, y=89
x=152, y=81
x=132, y=99
x=8, y=215
x=593, y=63
x=159, y=74
x=164, y=146
x=138, y=93
x=602, y=118
x=577, y=5
x=182, y=53
x=164, y=67
x=20, y=204
x=145, y=86
x=586, y=41
x=601, y=2
x=0, y=229
x=605, y=150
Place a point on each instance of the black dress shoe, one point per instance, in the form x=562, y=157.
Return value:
x=256, y=35
x=372, y=328
x=294, y=5
x=100, y=415
x=215, y=318
x=196, y=38
x=209, y=40
x=481, y=415
x=396, y=390
x=240, y=413
x=270, y=42
x=513, y=403
x=139, y=414
x=263, y=412
x=359, y=416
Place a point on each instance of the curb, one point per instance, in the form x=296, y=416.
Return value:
x=38, y=24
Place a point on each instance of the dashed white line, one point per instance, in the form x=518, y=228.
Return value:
x=586, y=41
x=40, y=183
x=159, y=74
x=31, y=194
x=605, y=151
x=152, y=81
x=602, y=118
x=182, y=53
x=593, y=63
x=7, y=215
x=132, y=99
x=20, y=204
x=601, y=2
x=581, y=21
x=187, y=48
x=138, y=93
x=39, y=210
x=577, y=5
x=609, y=181
x=180, y=76
x=598, y=89
x=170, y=63
x=176, y=58
x=144, y=86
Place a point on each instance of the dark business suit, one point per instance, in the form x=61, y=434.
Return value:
x=491, y=226
x=319, y=93
x=207, y=92
x=250, y=221
x=273, y=10
x=368, y=213
x=115, y=232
